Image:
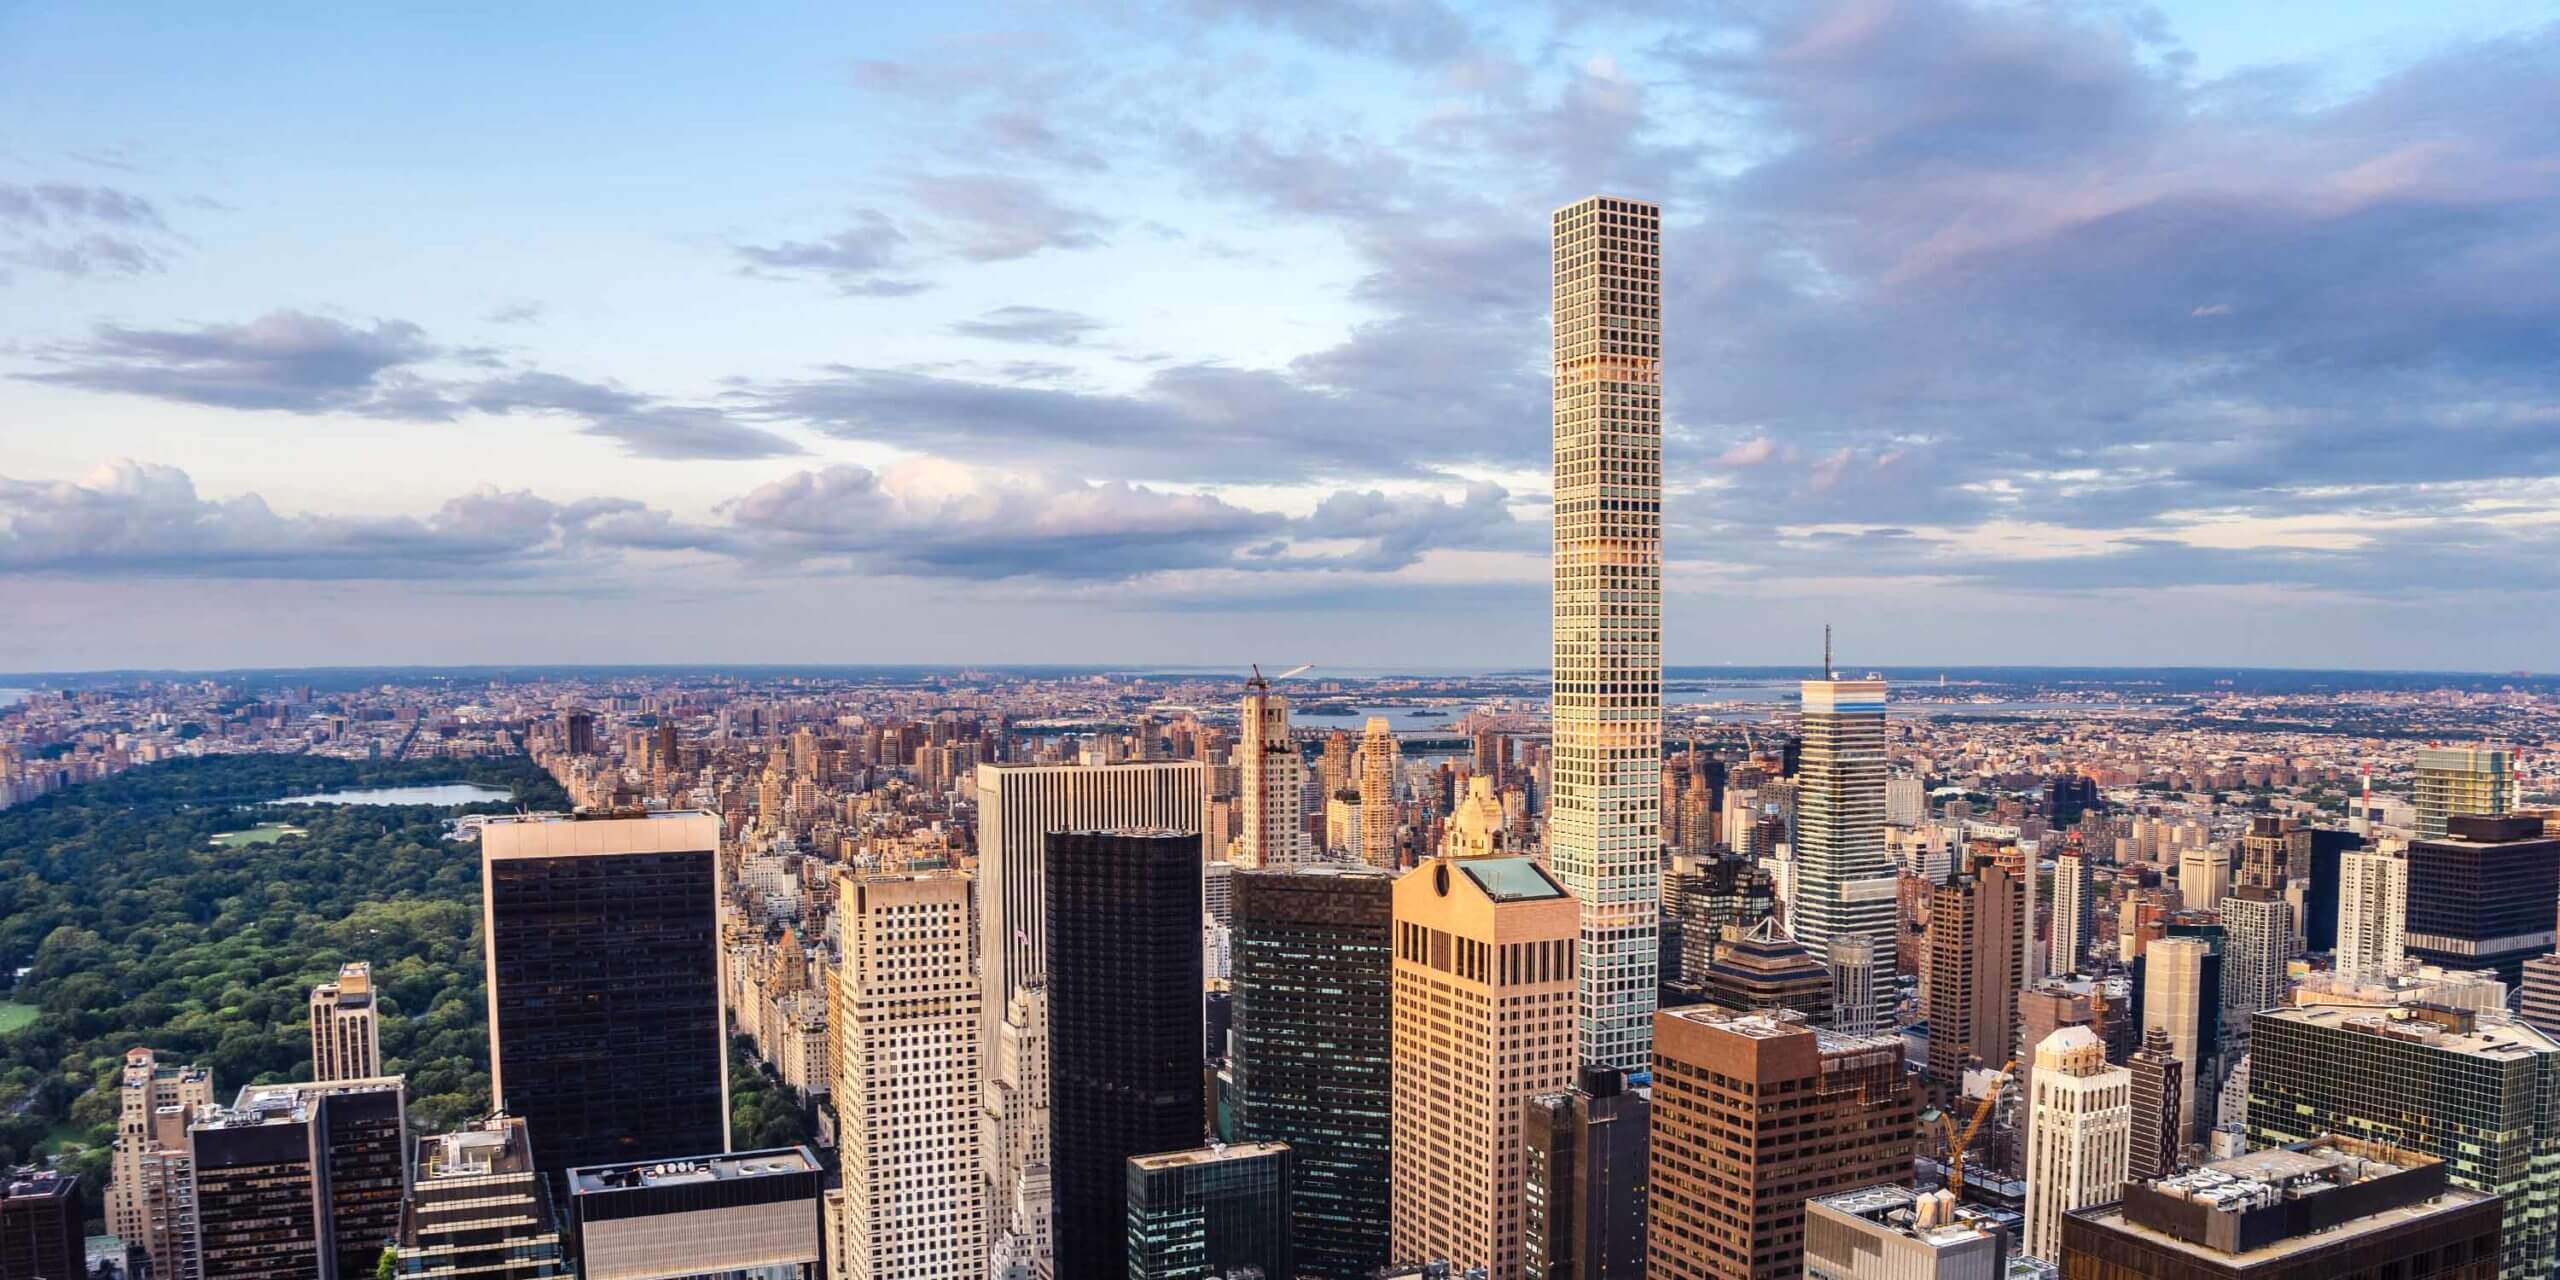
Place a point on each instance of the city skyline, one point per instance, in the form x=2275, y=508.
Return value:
x=440, y=374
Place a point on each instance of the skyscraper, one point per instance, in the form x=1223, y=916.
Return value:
x=1484, y=1013
x=746, y=1215
x=346, y=1028
x=2079, y=1134
x=1977, y=926
x=295, y=1181
x=2158, y=1101
x=2259, y=926
x=2204, y=877
x=1604, y=827
x=2373, y=912
x=1209, y=1212
x=2072, y=916
x=1380, y=760
x=2180, y=994
x=1762, y=968
x=1705, y=893
x=1583, y=1202
x=478, y=1210
x=1015, y=1129
x=1314, y=995
x=1125, y=1026
x=1845, y=881
x=908, y=1093
x=1273, y=782
x=2480, y=895
x=150, y=1199
x=1754, y=1114
x=40, y=1214
x=2459, y=780
x=601, y=941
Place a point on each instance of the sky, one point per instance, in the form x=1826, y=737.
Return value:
x=1215, y=331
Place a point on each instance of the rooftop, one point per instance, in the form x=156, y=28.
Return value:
x=1214, y=1153
x=2491, y=1037
x=733, y=1167
x=1510, y=879
x=1899, y=1209
x=1769, y=1024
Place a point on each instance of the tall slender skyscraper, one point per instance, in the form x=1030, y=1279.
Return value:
x=601, y=941
x=1845, y=882
x=2072, y=916
x=1273, y=782
x=346, y=1029
x=1380, y=760
x=2079, y=1131
x=1604, y=829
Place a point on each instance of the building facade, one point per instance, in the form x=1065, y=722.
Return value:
x=1845, y=882
x=479, y=1209
x=2480, y=895
x=2373, y=912
x=1381, y=760
x=1272, y=784
x=1210, y=1213
x=2458, y=780
x=295, y=1181
x=743, y=1215
x=2079, y=1134
x=40, y=1216
x=1583, y=1203
x=1978, y=928
x=1604, y=824
x=150, y=1200
x=2072, y=913
x=346, y=1028
x=2158, y=1080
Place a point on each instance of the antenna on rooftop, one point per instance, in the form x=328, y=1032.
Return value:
x=1827, y=672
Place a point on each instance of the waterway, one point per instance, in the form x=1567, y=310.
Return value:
x=446, y=793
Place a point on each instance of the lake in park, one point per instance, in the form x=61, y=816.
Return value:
x=446, y=793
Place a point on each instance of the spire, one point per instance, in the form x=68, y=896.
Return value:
x=1827, y=672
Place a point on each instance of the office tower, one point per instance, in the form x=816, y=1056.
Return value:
x=2461, y=780
x=2072, y=915
x=2538, y=1001
x=1273, y=782
x=1336, y=768
x=150, y=1200
x=2267, y=858
x=2159, y=1079
x=2259, y=926
x=2204, y=877
x=1208, y=1213
x=1906, y=801
x=2320, y=898
x=346, y=1028
x=2480, y=895
x=2373, y=908
x=2179, y=991
x=1818, y=1112
x=1704, y=894
x=2316, y=1210
x=40, y=1216
x=602, y=945
x=1604, y=834
x=2079, y=1134
x=1484, y=1019
x=908, y=1094
x=1125, y=1026
x=1844, y=880
x=1978, y=926
x=1380, y=761
x=579, y=732
x=1762, y=968
x=1314, y=1000
x=1894, y=1232
x=2044, y=1009
x=1853, y=984
x=295, y=1181
x=2481, y=1094
x=1583, y=1201
x=478, y=1209
x=744, y=1215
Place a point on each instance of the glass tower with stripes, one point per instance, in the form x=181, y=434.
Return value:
x=1844, y=879
x=1604, y=829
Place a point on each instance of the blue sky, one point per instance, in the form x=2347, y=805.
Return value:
x=1212, y=330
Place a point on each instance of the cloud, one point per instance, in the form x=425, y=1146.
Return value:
x=1415, y=31
x=864, y=259
x=1046, y=326
x=78, y=230
x=516, y=313
x=992, y=218
x=646, y=426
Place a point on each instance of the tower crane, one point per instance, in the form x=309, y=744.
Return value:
x=1956, y=1143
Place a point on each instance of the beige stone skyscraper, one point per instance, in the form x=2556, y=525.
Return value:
x=346, y=1028
x=1604, y=829
x=1272, y=784
x=907, y=1089
x=1380, y=760
x=151, y=1195
x=1483, y=1021
x=2079, y=1134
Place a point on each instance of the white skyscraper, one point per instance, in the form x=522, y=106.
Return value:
x=2204, y=876
x=2071, y=912
x=2079, y=1134
x=1604, y=831
x=1272, y=783
x=2259, y=926
x=2373, y=910
x=1845, y=881
x=907, y=1083
x=1906, y=801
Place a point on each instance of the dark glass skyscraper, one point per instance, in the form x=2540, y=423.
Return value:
x=1209, y=1213
x=301, y=1180
x=2480, y=895
x=605, y=1022
x=1313, y=997
x=1125, y=1027
x=40, y=1224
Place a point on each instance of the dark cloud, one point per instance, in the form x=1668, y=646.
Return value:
x=865, y=259
x=1046, y=326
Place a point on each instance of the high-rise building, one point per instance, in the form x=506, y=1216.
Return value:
x=908, y=1093
x=1978, y=927
x=2072, y=914
x=1484, y=1020
x=1753, y=1115
x=346, y=1028
x=1014, y=1134
x=2320, y=896
x=1702, y=895
x=295, y=1181
x=1845, y=882
x=2204, y=877
x=2373, y=911
x=1273, y=782
x=1314, y=1001
x=2460, y=780
x=2480, y=1094
x=40, y=1216
x=1583, y=1201
x=2079, y=1134
x=1894, y=1232
x=744, y=1215
x=1604, y=829
x=2538, y=1001
x=2259, y=927
x=2159, y=1077
x=1852, y=962
x=2480, y=895
x=601, y=940
x=478, y=1209
x=1380, y=761
x=2307, y=1211
x=1906, y=801
x=1209, y=1213
x=1762, y=968
x=150, y=1200
x=1126, y=1025
x=2179, y=989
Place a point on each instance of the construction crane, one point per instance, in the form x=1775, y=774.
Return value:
x=1260, y=685
x=1957, y=1143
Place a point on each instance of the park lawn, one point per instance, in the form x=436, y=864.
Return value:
x=263, y=833
x=14, y=1016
